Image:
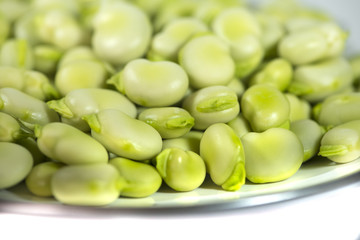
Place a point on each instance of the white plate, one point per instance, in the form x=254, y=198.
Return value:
x=314, y=176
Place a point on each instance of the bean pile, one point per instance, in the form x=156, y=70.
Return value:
x=101, y=99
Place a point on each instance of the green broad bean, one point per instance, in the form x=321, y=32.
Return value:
x=140, y=179
x=24, y=28
x=338, y=109
x=240, y=125
x=31, y=82
x=17, y=53
x=207, y=60
x=64, y=143
x=181, y=170
x=273, y=155
x=15, y=164
x=80, y=74
x=233, y=23
x=152, y=84
x=81, y=102
x=58, y=27
x=299, y=108
x=265, y=107
x=30, y=144
x=88, y=185
x=122, y=32
x=247, y=52
x=166, y=44
x=341, y=143
x=27, y=109
x=212, y=105
x=240, y=29
x=46, y=58
x=188, y=142
x=315, y=82
x=224, y=156
x=319, y=42
x=124, y=136
x=10, y=129
x=76, y=54
x=38, y=181
x=309, y=133
x=170, y=122
x=277, y=72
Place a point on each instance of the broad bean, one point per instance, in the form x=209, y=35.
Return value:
x=140, y=179
x=188, y=142
x=29, y=110
x=152, y=84
x=273, y=155
x=224, y=156
x=89, y=184
x=123, y=135
x=341, y=143
x=38, y=181
x=15, y=164
x=64, y=143
x=80, y=102
x=170, y=122
x=181, y=170
x=265, y=107
x=212, y=105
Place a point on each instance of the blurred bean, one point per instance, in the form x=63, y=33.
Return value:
x=87, y=185
x=15, y=164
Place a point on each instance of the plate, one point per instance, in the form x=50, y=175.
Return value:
x=315, y=176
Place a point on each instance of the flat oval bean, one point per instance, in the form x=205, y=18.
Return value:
x=212, y=105
x=166, y=44
x=140, y=179
x=89, y=185
x=67, y=144
x=341, y=143
x=122, y=32
x=26, y=108
x=310, y=133
x=338, y=109
x=80, y=102
x=15, y=164
x=265, y=107
x=123, y=135
x=315, y=82
x=170, y=122
x=224, y=156
x=207, y=61
x=152, y=84
x=181, y=170
x=38, y=181
x=273, y=155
